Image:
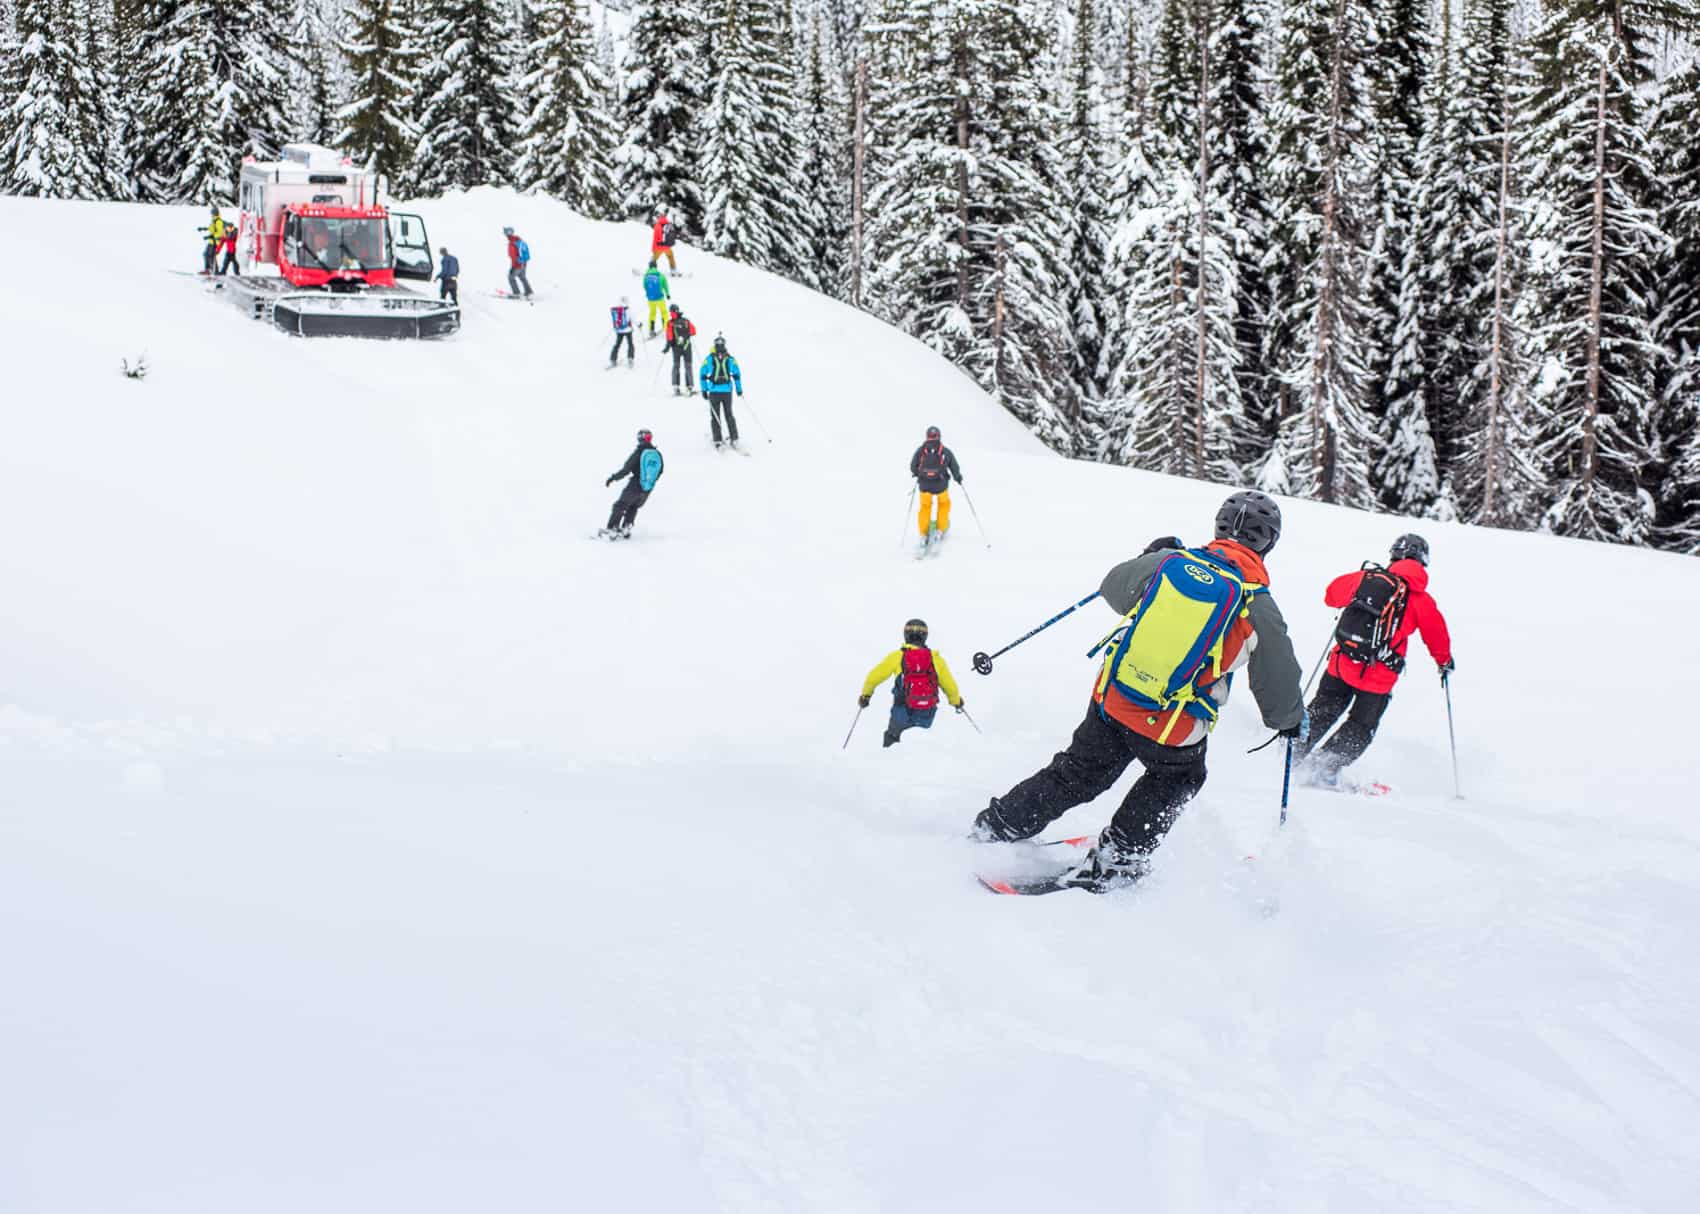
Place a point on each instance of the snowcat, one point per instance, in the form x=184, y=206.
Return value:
x=315, y=216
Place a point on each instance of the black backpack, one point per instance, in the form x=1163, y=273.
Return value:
x=667, y=234
x=931, y=464
x=1371, y=620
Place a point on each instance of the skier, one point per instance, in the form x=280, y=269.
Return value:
x=679, y=333
x=661, y=242
x=1190, y=616
x=228, y=265
x=215, y=236
x=1382, y=608
x=621, y=315
x=519, y=257
x=449, y=271
x=933, y=465
x=718, y=376
x=644, y=467
x=656, y=292
x=921, y=675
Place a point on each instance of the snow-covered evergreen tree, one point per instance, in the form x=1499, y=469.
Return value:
x=469, y=95
x=1594, y=401
x=1677, y=158
x=314, y=106
x=822, y=208
x=1406, y=473
x=383, y=55
x=663, y=90
x=51, y=121
x=106, y=123
x=1323, y=169
x=567, y=142
x=1086, y=251
x=190, y=141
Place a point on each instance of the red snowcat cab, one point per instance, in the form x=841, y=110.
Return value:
x=315, y=216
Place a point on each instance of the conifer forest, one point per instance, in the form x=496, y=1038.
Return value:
x=1432, y=257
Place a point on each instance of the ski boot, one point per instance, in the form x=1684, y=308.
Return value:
x=1105, y=868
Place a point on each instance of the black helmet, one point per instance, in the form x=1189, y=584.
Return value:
x=672, y=309
x=644, y=436
x=720, y=345
x=933, y=434
x=1411, y=547
x=1252, y=518
x=915, y=632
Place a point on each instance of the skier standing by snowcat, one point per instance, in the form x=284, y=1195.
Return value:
x=1190, y=617
x=215, y=230
x=449, y=272
x=922, y=674
x=519, y=257
x=1381, y=608
x=644, y=467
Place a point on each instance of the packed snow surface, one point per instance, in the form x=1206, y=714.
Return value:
x=371, y=839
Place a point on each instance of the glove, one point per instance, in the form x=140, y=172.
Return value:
x=1162, y=542
x=608, y=482
x=1446, y=667
x=1301, y=731
x=864, y=701
x=960, y=705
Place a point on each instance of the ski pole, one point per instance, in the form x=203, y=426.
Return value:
x=853, y=721
x=975, y=513
x=964, y=712
x=1326, y=650
x=655, y=376
x=908, y=513
x=983, y=661
x=1286, y=781
x=1451, y=733
x=759, y=426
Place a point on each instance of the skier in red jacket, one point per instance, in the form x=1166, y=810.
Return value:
x=1361, y=688
x=661, y=242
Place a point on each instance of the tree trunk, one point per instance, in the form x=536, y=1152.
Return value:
x=1204, y=26
x=1596, y=277
x=1326, y=311
x=858, y=155
x=962, y=171
x=1493, y=454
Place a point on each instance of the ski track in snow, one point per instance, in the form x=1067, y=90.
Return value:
x=370, y=839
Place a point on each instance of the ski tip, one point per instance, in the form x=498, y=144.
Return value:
x=996, y=886
x=1078, y=841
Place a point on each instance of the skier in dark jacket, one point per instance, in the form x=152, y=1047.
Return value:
x=1361, y=689
x=933, y=466
x=449, y=271
x=644, y=467
x=1168, y=741
x=680, y=330
x=719, y=375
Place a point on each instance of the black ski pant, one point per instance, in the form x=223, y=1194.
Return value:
x=518, y=284
x=716, y=402
x=211, y=258
x=228, y=265
x=682, y=358
x=1095, y=758
x=631, y=351
x=626, y=506
x=450, y=289
x=1363, y=711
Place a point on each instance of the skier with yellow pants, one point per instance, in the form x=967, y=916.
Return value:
x=922, y=676
x=934, y=466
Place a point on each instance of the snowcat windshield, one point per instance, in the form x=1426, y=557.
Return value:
x=342, y=244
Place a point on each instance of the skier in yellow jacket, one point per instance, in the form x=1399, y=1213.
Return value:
x=921, y=675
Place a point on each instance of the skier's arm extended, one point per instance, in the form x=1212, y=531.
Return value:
x=1123, y=585
x=886, y=669
x=629, y=468
x=947, y=682
x=1274, y=669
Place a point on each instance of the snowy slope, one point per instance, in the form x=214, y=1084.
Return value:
x=370, y=839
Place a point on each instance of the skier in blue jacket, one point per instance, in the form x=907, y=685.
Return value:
x=644, y=466
x=718, y=377
x=449, y=271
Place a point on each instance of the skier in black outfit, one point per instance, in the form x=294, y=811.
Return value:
x=679, y=333
x=644, y=467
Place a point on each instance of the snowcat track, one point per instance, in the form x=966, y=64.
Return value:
x=378, y=312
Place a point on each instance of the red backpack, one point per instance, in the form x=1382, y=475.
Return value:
x=920, y=679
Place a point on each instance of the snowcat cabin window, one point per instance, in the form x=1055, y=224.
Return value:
x=292, y=242
x=345, y=244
